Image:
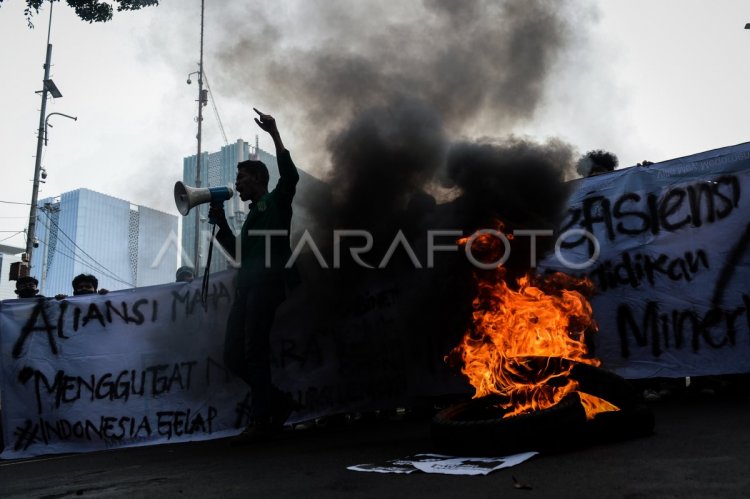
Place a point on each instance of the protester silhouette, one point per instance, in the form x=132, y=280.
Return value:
x=261, y=283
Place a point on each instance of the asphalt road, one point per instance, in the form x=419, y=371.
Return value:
x=701, y=449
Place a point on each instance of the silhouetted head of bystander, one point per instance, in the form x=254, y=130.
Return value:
x=27, y=287
x=85, y=284
x=184, y=274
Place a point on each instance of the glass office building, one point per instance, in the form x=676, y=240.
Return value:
x=86, y=232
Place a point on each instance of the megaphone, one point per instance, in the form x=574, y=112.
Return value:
x=186, y=197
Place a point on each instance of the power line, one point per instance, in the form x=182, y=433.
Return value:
x=15, y=234
x=102, y=269
x=64, y=244
x=73, y=258
x=216, y=110
x=15, y=202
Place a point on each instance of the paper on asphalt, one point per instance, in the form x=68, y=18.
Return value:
x=446, y=465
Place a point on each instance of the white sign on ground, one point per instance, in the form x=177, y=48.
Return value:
x=445, y=465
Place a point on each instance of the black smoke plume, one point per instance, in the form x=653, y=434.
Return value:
x=386, y=98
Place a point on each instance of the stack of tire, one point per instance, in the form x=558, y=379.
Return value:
x=477, y=427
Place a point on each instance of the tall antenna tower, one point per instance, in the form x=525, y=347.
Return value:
x=202, y=100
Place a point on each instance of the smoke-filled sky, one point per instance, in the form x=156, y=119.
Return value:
x=646, y=80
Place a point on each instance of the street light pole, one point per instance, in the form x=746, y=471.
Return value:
x=46, y=122
x=31, y=235
x=201, y=103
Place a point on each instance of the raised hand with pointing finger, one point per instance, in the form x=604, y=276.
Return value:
x=268, y=124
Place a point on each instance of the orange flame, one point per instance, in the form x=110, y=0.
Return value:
x=523, y=343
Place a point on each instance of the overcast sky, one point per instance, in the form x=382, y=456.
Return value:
x=652, y=80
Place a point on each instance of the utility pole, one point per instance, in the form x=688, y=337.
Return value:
x=47, y=87
x=202, y=97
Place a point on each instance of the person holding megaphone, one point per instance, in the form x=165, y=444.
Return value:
x=261, y=283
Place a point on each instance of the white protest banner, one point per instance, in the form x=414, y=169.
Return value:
x=671, y=261
x=145, y=366
x=134, y=367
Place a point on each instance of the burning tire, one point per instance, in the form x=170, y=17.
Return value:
x=605, y=385
x=477, y=427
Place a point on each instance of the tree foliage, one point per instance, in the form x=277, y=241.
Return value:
x=88, y=10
